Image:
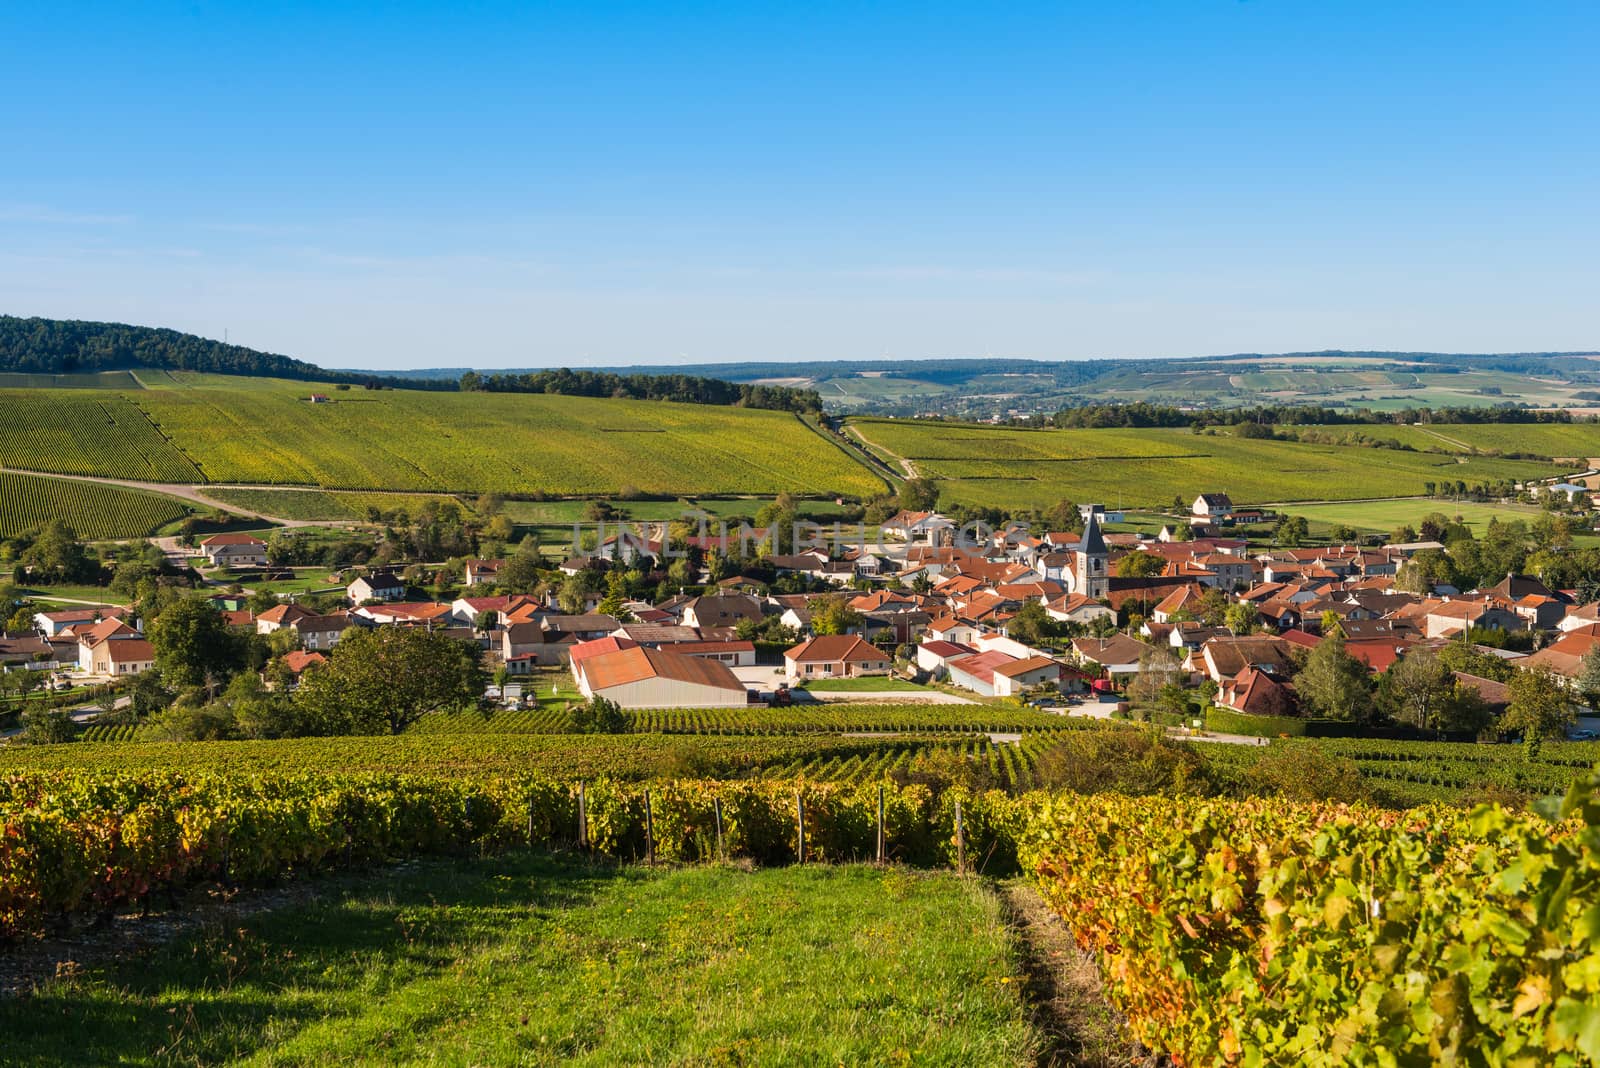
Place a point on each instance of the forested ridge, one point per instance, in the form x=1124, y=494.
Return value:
x=73, y=346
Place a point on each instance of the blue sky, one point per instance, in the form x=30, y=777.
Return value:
x=412, y=185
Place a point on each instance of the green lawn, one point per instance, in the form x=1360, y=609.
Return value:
x=533, y=959
x=864, y=684
x=97, y=594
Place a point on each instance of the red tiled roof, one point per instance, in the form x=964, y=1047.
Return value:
x=833, y=648
x=130, y=651
x=232, y=539
x=301, y=659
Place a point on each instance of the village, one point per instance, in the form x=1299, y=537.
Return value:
x=1196, y=627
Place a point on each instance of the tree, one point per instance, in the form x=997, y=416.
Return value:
x=148, y=696
x=1424, y=571
x=1031, y=625
x=1420, y=690
x=193, y=644
x=832, y=614
x=1588, y=680
x=1064, y=515
x=1539, y=708
x=1140, y=564
x=1292, y=530
x=575, y=590
x=599, y=715
x=919, y=494
x=55, y=555
x=1344, y=533
x=1461, y=656
x=256, y=712
x=616, y=593
x=1241, y=618
x=520, y=572
x=1160, y=670
x=1334, y=684
x=383, y=679
x=47, y=726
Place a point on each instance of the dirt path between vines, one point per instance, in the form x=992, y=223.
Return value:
x=1064, y=991
x=906, y=465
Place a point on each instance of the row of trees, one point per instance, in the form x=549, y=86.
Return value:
x=688, y=389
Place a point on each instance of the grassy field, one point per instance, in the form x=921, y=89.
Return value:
x=206, y=428
x=1385, y=516
x=93, y=511
x=534, y=959
x=1005, y=467
x=95, y=594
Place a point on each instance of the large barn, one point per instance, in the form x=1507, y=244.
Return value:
x=640, y=677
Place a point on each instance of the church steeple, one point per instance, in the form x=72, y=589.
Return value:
x=1092, y=559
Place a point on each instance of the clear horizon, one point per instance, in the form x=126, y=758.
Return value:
x=422, y=186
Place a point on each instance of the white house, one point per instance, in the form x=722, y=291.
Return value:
x=234, y=550
x=378, y=586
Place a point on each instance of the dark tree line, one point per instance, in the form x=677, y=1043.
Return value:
x=71, y=346
x=686, y=389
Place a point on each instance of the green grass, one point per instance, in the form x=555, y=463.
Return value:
x=533, y=959
x=93, y=511
x=96, y=594
x=864, y=684
x=1385, y=516
x=1013, y=468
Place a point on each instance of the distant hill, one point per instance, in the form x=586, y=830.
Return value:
x=72, y=346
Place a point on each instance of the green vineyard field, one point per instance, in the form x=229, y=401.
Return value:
x=86, y=432
x=267, y=432
x=90, y=509
x=1002, y=467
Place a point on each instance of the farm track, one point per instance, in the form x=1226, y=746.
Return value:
x=908, y=469
x=185, y=492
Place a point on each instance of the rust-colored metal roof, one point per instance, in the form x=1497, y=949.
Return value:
x=640, y=664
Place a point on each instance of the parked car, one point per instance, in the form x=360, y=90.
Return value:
x=1585, y=735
